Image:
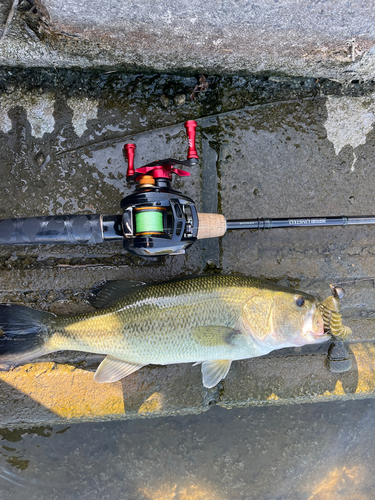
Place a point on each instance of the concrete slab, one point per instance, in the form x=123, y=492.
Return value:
x=48, y=393
x=284, y=38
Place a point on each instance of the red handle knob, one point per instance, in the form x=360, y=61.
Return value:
x=129, y=151
x=190, y=126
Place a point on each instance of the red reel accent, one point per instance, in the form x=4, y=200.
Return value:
x=190, y=126
x=129, y=151
x=161, y=172
x=164, y=171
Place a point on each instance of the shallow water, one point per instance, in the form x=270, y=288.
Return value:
x=300, y=452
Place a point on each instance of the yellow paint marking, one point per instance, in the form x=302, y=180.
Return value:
x=153, y=404
x=72, y=393
x=65, y=391
x=365, y=357
x=273, y=397
x=339, y=390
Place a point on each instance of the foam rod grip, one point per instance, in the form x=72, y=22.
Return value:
x=61, y=229
x=211, y=226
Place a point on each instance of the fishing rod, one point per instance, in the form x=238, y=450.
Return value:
x=156, y=219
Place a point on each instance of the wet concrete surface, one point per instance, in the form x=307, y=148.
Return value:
x=64, y=392
x=269, y=148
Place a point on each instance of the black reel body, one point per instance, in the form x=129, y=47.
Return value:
x=158, y=221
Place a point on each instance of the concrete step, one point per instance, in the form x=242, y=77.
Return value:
x=232, y=38
x=47, y=393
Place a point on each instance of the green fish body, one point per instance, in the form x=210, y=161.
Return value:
x=212, y=320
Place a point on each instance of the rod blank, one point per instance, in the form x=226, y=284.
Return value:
x=298, y=222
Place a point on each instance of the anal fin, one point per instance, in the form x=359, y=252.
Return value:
x=214, y=371
x=113, y=369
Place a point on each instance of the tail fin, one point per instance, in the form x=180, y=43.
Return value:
x=23, y=333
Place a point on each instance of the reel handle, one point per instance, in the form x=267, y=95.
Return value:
x=190, y=126
x=129, y=149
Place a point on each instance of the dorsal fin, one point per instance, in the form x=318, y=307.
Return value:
x=114, y=290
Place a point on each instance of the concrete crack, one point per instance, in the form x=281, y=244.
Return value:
x=9, y=20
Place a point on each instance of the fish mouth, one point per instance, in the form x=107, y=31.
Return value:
x=314, y=328
x=319, y=337
x=314, y=337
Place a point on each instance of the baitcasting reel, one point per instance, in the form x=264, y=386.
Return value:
x=158, y=220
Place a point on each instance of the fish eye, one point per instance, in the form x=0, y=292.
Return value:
x=300, y=301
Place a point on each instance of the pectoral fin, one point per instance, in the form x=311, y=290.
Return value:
x=112, y=369
x=214, y=371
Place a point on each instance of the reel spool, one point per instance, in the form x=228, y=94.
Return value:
x=149, y=221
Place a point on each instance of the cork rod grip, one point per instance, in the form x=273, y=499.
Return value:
x=211, y=226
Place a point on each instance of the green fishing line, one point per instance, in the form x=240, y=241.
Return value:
x=149, y=221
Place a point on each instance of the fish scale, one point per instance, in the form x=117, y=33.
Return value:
x=155, y=323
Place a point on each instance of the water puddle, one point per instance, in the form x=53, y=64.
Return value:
x=309, y=452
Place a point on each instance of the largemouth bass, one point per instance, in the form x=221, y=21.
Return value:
x=208, y=320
